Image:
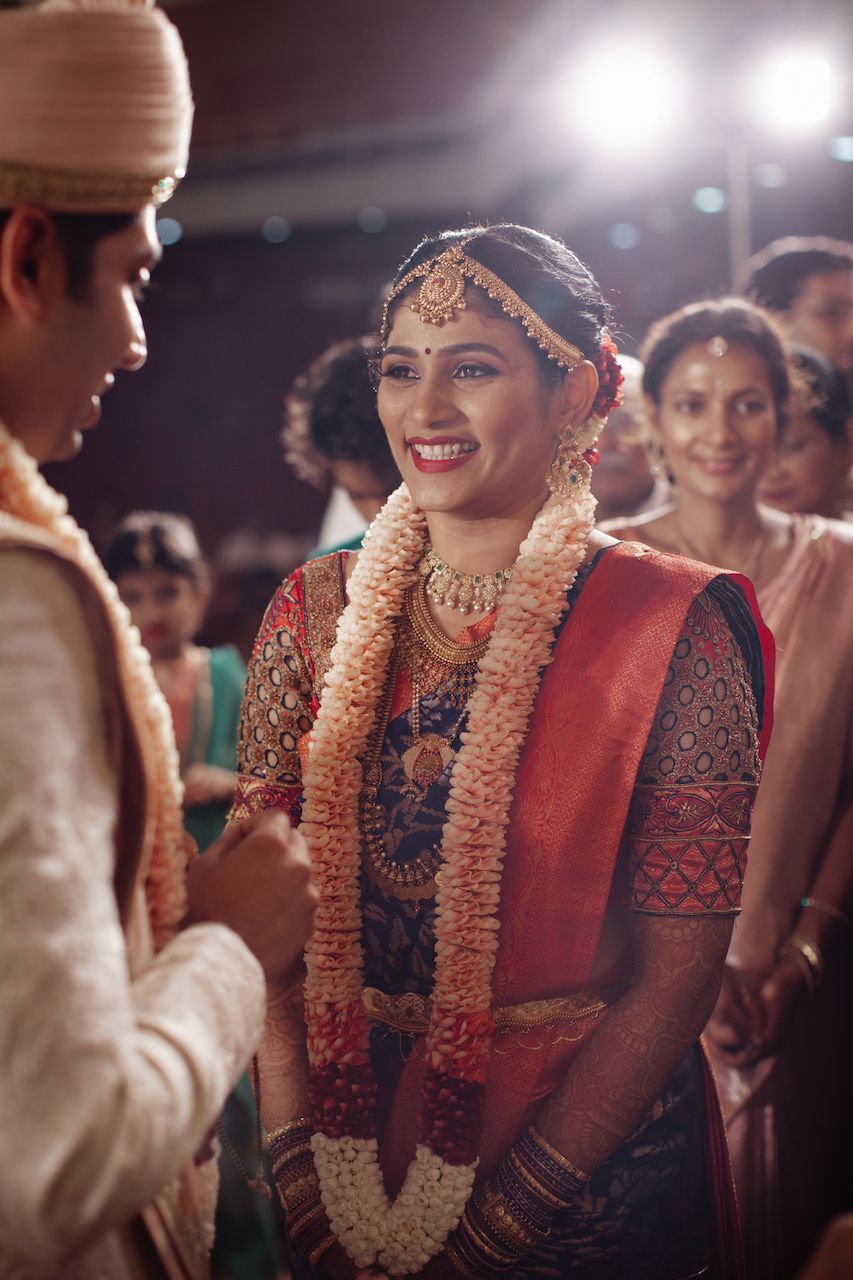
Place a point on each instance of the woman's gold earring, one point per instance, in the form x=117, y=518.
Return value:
x=565, y=471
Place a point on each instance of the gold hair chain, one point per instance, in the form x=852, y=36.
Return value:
x=442, y=294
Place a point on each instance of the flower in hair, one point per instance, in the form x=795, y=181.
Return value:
x=610, y=378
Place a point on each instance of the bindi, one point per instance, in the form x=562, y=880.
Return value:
x=427, y=351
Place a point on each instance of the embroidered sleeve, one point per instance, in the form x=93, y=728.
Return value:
x=278, y=708
x=690, y=814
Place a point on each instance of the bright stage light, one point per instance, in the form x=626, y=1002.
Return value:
x=794, y=92
x=620, y=98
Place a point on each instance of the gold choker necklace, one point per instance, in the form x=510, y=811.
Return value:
x=467, y=592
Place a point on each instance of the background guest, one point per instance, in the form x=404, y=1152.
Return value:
x=717, y=383
x=626, y=481
x=812, y=460
x=332, y=433
x=156, y=562
x=808, y=283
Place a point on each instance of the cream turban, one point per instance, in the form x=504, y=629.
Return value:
x=95, y=106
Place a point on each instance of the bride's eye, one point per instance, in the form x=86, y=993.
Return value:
x=398, y=371
x=474, y=369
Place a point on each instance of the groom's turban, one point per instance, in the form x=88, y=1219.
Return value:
x=95, y=106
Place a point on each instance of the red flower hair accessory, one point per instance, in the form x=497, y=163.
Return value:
x=610, y=378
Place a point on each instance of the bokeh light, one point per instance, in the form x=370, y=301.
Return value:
x=623, y=235
x=771, y=176
x=794, y=92
x=372, y=219
x=169, y=230
x=709, y=200
x=628, y=96
x=275, y=229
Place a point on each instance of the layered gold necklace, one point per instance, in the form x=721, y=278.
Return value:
x=433, y=661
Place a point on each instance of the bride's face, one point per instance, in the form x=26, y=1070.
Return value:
x=471, y=424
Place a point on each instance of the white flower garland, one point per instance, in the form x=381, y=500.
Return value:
x=403, y=1236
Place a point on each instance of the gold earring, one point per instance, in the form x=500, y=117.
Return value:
x=565, y=470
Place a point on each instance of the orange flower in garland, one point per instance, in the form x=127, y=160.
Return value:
x=403, y=1236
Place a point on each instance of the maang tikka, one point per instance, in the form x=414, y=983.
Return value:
x=442, y=294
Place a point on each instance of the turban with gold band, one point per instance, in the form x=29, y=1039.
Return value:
x=95, y=106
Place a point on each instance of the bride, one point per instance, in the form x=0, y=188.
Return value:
x=501, y=733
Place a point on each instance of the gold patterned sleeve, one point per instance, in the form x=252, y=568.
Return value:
x=691, y=810
x=278, y=708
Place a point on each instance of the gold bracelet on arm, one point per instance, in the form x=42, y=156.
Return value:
x=809, y=957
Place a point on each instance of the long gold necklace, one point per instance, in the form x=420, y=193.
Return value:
x=467, y=592
x=432, y=660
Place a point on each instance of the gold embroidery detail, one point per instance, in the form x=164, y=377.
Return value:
x=410, y=1012
x=323, y=604
x=98, y=191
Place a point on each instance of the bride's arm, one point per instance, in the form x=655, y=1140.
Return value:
x=688, y=830
x=278, y=713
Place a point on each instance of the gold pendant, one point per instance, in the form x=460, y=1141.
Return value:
x=426, y=760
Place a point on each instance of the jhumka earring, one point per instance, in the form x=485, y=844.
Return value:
x=566, y=470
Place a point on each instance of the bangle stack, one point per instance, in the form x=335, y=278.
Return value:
x=808, y=956
x=512, y=1214
x=299, y=1189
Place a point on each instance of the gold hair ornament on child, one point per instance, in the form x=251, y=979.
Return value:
x=442, y=293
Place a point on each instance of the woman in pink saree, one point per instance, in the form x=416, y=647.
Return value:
x=780, y=1035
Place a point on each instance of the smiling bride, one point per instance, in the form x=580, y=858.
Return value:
x=499, y=731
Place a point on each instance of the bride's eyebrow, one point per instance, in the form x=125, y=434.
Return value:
x=455, y=349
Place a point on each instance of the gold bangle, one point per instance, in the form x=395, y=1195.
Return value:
x=461, y=1266
x=302, y=1122
x=533, y=1184
x=317, y=1252
x=796, y=946
x=282, y=1158
x=557, y=1156
x=486, y=1244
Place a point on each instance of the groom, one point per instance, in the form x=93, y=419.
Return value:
x=128, y=1008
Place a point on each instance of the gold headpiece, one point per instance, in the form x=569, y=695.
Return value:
x=143, y=550
x=443, y=292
